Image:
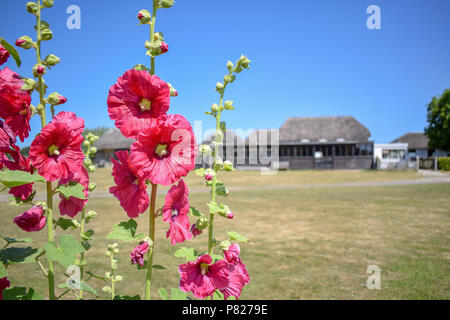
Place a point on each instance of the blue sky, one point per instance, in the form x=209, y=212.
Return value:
x=309, y=58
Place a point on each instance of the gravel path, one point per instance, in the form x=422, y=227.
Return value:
x=428, y=180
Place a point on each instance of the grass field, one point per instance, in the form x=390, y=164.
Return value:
x=310, y=243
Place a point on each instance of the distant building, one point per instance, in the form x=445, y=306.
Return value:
x=110, y=142
x=418, y=146
x=391, y=155
x=303, y=143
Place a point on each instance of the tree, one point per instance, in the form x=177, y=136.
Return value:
x=438, y=118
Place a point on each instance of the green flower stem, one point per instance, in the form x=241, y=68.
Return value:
x=112, y=278
x=51, y=279
x=152, y=218
x=83, y=222
x=152, y=35
x=214, y=180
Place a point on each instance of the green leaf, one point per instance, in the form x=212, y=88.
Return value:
x=177, y=294
x=17, y=178
x=232, y=235
x=223, y=126
x=95, y=276
x=19, y=255
x=73, y=189
x=67, y=251
x=20, y=293
x=221, y=190
x=163, y=294
x=136, y=297
x=65, y=223
x=159, y=267
x=188, y=253
x=79, y=286
x=195, y=212
x=12, y=51
x=124, y=231
x=12, y=240
x=218, y=295
x=3, y=272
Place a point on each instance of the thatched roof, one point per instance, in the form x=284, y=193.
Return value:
x=323, y=129
x=261, y=135
x=113, y=140
x=229, y=139
x=415, y=140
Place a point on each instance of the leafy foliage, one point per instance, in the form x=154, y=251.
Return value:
x=67, y=251
x=73, y=189
x=188, y=253
x=12, y=51
x=232, y=235
x=124, y=231
x=438, y=118
x=19, y=255
x=175, y=294
x=17, y=178
x=21, y=293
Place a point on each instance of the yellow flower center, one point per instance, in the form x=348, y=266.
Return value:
x=161, y=150
x=145, y=105
x=204, y=268
x=54, y=150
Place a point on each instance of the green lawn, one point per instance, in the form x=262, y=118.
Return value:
x=313, y=243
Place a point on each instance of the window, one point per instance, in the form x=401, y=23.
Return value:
x=394, y=154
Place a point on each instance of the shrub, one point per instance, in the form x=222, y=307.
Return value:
x=444, y=163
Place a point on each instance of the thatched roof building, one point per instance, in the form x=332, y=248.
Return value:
x=110, y=142
x=415, y=140
x=323, y=129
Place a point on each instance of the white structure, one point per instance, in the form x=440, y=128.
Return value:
x=391, y=155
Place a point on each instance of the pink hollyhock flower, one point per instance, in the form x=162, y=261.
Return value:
x=130, y=189
x=18, y=162
x=32, y=220
x=4, y=55
x=137, y=101
x=195, y=232
x=71, y=119
x=14, y=103
x=237, y=280
x=164, y=47
x=56, y=152
x=70, y=207
x=4, y=283
x=137, y=255
x=166, y=153
x=7, y=137
x=203, y=278
x=175, y=212
x=238, y=273
x=232, y=254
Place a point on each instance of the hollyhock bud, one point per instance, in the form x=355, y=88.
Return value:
x=118, y=278
x=228, y=166
x=39, y=108
x=148, y=45
x=48, y=3
x=46, y=34
x=137, y=255
x=164, y=47
x=219, y=87
x=202, y=223
x=29, y=84
x=51, y=60
x=159, y=36
x=4, y=55
x=24, y=42
x=39, y=70
x=215, y=108
x=195, y=231
x=244, y=62
x=107, y=289
x=167, y=3
x=93, y=150
x=144, y=16
x=91, y=168
x=209, y=174
x=205, y=149
x=56, y=99
x=31, y=220
x=230, y=65
x=225, y=245
x=173, y=92
x=230, y=215
x=229, y=105
x=32, y=7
